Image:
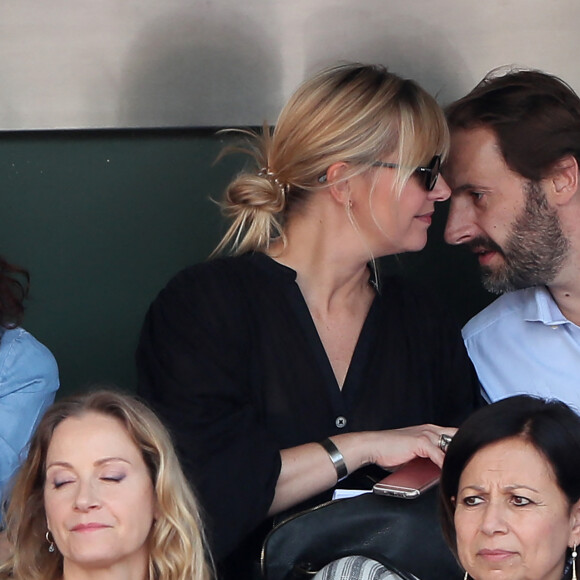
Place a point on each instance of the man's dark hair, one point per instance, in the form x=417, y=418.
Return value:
x=535, y=116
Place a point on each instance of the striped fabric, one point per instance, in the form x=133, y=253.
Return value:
x=355, y=568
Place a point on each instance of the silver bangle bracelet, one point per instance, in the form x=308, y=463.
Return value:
x=336, y=457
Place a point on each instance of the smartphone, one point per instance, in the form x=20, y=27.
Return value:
x=410, y=480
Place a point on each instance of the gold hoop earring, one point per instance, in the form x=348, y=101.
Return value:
x=50, y=542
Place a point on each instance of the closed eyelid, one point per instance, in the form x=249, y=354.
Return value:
x=59, y=472
x=115, y=472
x=58, y=479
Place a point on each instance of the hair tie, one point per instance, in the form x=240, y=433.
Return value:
x=271, y=177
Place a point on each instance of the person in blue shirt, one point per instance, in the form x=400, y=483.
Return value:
x=28, y=375
x=513, y=173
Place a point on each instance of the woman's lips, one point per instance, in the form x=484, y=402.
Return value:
x=90, y=527
x=426, y=218
x=495, y=555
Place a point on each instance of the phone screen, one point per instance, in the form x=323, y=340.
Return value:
x=410, y=480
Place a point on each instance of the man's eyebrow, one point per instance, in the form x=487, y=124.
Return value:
x=467, y=187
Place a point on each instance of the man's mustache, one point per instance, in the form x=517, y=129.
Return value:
x=484, y=244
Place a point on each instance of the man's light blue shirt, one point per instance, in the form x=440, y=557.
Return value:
x=28, y=383
x=522, y=343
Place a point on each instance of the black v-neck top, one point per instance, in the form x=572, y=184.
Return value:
x=230, y=357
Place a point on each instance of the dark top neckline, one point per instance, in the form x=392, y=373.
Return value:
x=342, y=399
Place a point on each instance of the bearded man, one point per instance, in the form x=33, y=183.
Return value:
x=513, y=173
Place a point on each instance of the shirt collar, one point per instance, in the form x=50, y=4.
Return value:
x=543, y=308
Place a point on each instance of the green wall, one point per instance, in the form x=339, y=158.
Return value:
x=102, y=219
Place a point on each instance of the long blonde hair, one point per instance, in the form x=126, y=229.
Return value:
x=177, y=543
x=353, y=113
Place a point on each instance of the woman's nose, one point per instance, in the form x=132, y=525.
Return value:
x=86, y=497
x=494, y=519
x=441, y=191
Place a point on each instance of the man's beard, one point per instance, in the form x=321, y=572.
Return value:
x=534, y=250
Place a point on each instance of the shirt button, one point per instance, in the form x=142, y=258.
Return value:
x=340, y=422
x=554, y=327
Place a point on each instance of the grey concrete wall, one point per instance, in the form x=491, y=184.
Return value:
x=198, y=63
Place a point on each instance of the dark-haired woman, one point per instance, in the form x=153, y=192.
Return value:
x=510, y=491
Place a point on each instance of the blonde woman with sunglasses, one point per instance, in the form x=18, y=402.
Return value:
x=288, y=362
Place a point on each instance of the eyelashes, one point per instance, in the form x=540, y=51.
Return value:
x=117, y=478
x=59, y=484
x=471, y=500
x=516, y=500
x=114, y=478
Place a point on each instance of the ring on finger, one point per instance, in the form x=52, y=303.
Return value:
x=444, y=441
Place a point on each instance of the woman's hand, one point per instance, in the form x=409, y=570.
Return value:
x=307, y=470
x=392, y=448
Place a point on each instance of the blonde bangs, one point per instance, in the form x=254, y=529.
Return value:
x=423, y=133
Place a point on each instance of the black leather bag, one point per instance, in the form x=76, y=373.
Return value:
x=403, y=532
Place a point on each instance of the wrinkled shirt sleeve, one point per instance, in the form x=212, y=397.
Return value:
x=28, y=383
x=193, y=369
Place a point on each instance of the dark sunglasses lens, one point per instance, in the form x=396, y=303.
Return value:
x=433, y=173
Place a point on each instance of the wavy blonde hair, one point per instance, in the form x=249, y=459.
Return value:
x=352, y=113
x=177, y=542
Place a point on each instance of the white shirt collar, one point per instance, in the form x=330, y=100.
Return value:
x=543, y=308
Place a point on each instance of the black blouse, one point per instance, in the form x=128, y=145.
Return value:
x=230, y=357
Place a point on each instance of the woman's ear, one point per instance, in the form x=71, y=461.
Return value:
x=574, y=538
x=338, y=183
x=563, y=180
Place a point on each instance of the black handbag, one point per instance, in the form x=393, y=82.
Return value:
x=403, y=534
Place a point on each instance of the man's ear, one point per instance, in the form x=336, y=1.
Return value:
x=563, y=180
x=337, y=180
